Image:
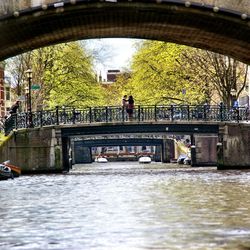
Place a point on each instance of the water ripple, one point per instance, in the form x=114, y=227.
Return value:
x=127, y=206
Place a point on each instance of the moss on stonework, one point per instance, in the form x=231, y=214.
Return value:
x=57, y=157
x=4, y=139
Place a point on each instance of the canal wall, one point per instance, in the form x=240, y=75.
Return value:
x=233, y=148
x=34, y=150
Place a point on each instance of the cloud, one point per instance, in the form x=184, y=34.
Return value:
x=116, y=52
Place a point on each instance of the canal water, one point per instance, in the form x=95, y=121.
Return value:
x=120, y=206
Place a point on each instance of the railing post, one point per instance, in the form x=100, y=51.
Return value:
x=205, y=112
x=57, y=115
x=64, y=115
x=106, y=114
x=155, y=110
x=73, y=116
x=237, y=114
x=139, y=113
x=41, y=118
x=221, y=111
x=26, y=119
x=123, y=114
x=188, y=112
x=172, y=112
x=90, y=115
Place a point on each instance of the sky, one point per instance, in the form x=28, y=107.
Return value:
x=115, y=53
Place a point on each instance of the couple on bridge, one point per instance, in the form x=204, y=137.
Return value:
x=128, y=104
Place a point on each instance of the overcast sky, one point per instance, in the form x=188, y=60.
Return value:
x=116, y=53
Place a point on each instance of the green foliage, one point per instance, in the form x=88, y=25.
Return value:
x=64, y=73
x=161, y=73
x=114, y=92
x=158, y=78
x=70, y=78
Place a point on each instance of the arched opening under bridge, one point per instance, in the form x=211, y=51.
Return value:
x=195, y=24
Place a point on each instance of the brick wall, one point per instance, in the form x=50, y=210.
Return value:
x=2, y=104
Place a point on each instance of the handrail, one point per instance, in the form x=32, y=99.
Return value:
x=118, y=114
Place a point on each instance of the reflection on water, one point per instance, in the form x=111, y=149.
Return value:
x=127, y=206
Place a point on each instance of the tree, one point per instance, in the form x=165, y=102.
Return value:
x=219, y=74
x=72, y=80
x=16, y=66
x=158, y=77
x=64, y=73
x=114, y=92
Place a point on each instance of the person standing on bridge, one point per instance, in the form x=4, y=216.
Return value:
x=125, y=102
x=14, y=108
x=130, y=107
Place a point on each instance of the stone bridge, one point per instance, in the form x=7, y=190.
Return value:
x=47, y=149
x=218, y=25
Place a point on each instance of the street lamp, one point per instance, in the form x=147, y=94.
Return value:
x=26, y=98
x=29, y=109
x=233, y=93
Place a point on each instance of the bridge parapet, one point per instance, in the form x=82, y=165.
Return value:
x=117, y=114
x=10, y=7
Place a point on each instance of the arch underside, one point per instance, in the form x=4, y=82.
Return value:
x=218, y=32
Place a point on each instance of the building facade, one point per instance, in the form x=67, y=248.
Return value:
x=5, y=93
x=112, y=75
x=244, y=98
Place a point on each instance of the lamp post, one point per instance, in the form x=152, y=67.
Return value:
x=233, y=94
x=29, y=109
x=26, y=98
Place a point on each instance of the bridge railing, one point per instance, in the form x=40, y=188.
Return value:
x=114, y=114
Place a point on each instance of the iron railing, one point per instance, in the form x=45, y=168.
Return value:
x=115, y=114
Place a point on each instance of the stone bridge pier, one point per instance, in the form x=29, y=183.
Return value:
x=203, y=150
x=233, y=148
x=36, y=150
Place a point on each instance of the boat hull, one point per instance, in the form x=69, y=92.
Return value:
x=101, y=160
x=144, y=160
x=5, y=172
x=16, y=171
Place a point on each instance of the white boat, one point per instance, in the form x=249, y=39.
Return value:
x=101, y=160
x=181, y=159
x=187, y=161
x=144, y=159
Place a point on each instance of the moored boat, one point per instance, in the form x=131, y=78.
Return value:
x=5, y=172
x=144, y=159
x=187, y=161
x=101, y=160
x=16, y=171
x=181, y=159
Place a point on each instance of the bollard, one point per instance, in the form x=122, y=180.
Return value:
x=219, y=150
x=193, y=155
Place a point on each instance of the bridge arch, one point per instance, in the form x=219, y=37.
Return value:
x=37, y=23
